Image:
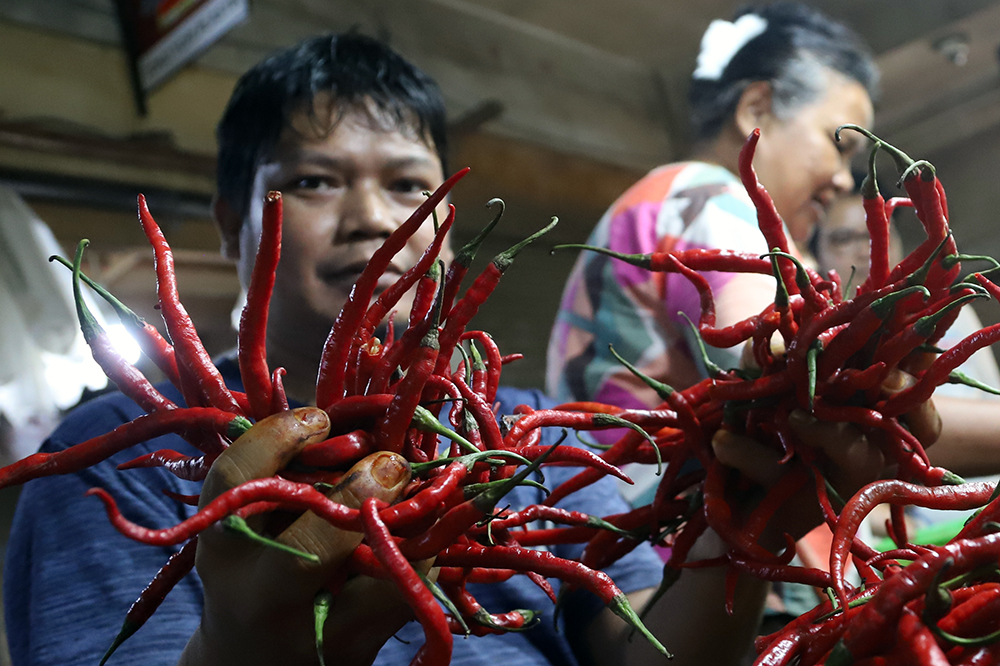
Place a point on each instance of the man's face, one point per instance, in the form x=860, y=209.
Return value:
x=344, y=191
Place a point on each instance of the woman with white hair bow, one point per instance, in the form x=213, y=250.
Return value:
x=798, y=76
x=786, y=69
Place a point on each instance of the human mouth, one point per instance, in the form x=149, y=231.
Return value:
x=340, y=274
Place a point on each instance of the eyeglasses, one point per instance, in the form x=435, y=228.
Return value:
x=841, y=238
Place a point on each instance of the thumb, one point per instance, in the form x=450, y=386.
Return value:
x=383, y=475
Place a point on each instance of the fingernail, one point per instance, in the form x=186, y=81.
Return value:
x=389, y=470
x=896, y=381
x=311, y=417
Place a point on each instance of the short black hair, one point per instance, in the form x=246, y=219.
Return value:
x=796, y=37
x=352, y=68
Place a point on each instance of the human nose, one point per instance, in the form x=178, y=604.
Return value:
x=364, y=214
x=843, y=180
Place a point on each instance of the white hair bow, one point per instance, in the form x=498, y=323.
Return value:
x=723, y=40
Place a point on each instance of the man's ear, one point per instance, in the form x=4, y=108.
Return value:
x=228, y=224
x=754, y=107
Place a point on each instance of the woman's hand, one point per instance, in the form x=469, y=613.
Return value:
x=847, y=458
x=258, y=600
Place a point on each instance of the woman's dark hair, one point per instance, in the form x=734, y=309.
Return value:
x=789, y=53
x=352, y=69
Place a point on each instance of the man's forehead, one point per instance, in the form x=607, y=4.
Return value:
x=315, y=121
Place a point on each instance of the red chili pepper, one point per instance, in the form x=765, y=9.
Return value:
x=460, y=315
x=895, y=202
x=547, y=564
x=333, y=363
x=391, y=430
x=891, y=491
x=142, y=428
x=126, y=376
x=917, y=644
x=699, y=259
x=289, y=494
x=877, y=221
x=190, y=352
x=494, y=362
x=908, y=399
x=357, y=410
x=338, y=451
x=279, y=401
x=768, y=218
x=464, y=258
x=180, y=465
x=436, y=649
x=178, y=565
x=571, y=455
x=252, y=354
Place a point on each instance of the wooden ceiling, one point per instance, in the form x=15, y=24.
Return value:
x=557, y=105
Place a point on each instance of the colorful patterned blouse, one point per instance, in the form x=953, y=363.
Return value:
x=606, y=301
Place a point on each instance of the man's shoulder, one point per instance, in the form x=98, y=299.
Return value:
x=510, y=397
x=95, y=417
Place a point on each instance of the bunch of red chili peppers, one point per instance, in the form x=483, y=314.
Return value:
x=379, y=396
x=942, y=608
x=382, y=395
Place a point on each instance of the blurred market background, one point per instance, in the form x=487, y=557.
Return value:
x=557, y=106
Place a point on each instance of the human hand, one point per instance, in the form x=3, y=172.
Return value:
x=258, y=600
x=847, y=458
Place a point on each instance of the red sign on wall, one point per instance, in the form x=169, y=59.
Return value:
x=164, y=35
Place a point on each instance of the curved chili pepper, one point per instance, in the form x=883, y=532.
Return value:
x=252, y=352
x=126, y=376
x=768, y=218
x=547, y=564
x=279, y=401
x=191, y=353
x=178, y=464
x=890, y=491
x=436, y=649
x=290, y=495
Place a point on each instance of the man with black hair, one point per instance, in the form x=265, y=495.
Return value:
x=352, y=135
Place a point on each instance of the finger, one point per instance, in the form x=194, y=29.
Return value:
x=923, y=421
x=264, y=449
x=853, y=459
x=757, y=462
x=366, y=614
x=383, y=475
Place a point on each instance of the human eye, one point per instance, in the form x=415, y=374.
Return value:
x=312, y=183
x=409, y=185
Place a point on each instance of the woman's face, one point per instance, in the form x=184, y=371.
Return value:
x=799, y=160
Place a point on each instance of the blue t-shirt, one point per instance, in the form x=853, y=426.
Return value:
x=70, y=577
